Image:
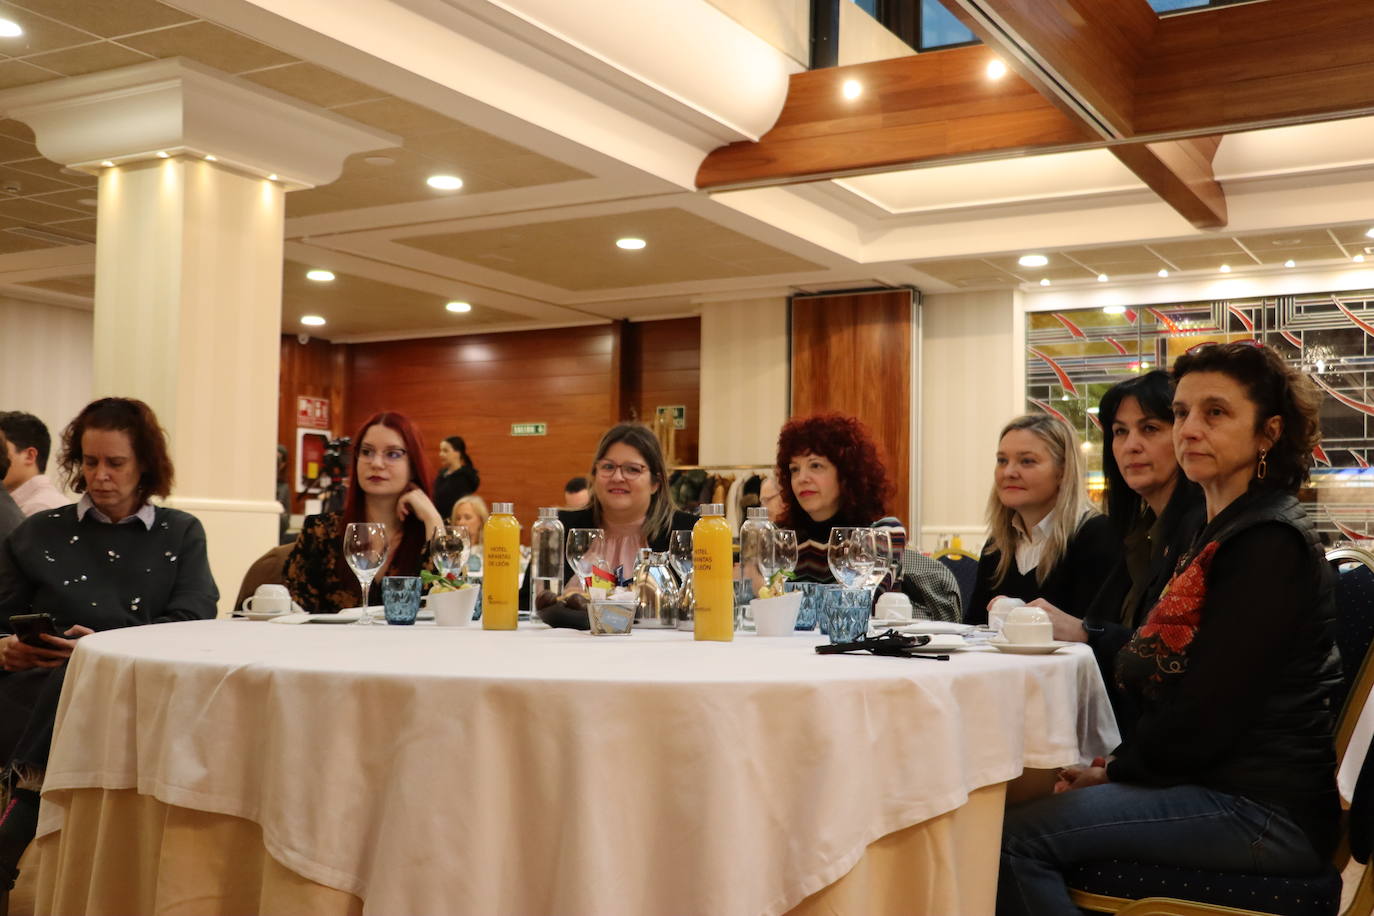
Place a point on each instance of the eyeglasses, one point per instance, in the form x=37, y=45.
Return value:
x=629, y=470
x=389, y=455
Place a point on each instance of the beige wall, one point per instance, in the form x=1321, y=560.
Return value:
x=744, y=393
x=864, y=39
x=972, y=382
x=784, y=24
x=45, y=361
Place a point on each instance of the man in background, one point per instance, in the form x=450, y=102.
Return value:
x=27, y=447
x=575, y=494
x=10, y=516
x=770, y=497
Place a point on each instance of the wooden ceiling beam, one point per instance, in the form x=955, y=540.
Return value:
x=935, y=107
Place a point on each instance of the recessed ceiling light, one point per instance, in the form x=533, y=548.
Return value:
x=1103, y=278
x=312, y=320
x=1044, y=281
x=272, y=177
x=1225, y=268
x=107, y=164
x=1114, y=309
x=211, y=157
x=1032, y=260
x=1290, y=263
x=319, y=275
x=1369, y=233
x=459, y=306
x=996, y=69
x=162, y=154
x=1162, y=273
x=630, y=244
x=444, y=182
x=10, y=29
x=1358, y=259
x=852, y=89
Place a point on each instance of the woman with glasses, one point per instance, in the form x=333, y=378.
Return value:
x=629, y=498
x=1231, y=764
x=390, y=485
x=1047, y=541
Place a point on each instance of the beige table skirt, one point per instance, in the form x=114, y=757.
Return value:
x=121, y=852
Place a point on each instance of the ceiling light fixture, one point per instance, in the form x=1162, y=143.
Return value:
x=1032, y=260
x=1358, y=259
x=107, y=164
x=1113, y=309
x=1102, y=278
x=1369, y=233
x=852, y=89
x=459, y=307
x=444, y=182
x=162, y=154
x=996, y=69
x=10, y=29
x=211, y=157
x=630, y=244
x=272, y=177
x=312, y=320
x=1162, y=273
x=319, y=275
x=1044, y=281
x=1225, y=268
x=1290, y=263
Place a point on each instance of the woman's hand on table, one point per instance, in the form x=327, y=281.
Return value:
x=1067, y=628
x=19, y=656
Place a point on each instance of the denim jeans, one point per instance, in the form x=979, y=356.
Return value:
x=1188, y=826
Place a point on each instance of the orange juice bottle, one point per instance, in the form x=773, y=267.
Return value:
x=713, y=578
x=501, y=569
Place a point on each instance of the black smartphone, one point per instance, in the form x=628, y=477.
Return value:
x=29, y=627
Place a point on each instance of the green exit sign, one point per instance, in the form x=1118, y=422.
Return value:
x=529, y=429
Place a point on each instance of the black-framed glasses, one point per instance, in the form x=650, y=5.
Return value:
x=630, y=470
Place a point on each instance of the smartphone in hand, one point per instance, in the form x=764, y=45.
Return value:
x=30, y=627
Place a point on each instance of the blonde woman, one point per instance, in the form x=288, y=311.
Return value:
x=1046, y=540
x=471, y=513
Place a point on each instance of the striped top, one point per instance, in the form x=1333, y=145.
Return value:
x=812, y=538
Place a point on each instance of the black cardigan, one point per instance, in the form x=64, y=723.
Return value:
x=1070, y=586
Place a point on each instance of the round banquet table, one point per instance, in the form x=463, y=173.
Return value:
x=212, y=765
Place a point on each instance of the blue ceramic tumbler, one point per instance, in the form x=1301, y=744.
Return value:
x=401, y=599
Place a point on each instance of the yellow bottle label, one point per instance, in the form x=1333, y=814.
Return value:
x=713, y=580
x=500, y=573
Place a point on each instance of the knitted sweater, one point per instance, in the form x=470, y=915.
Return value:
x=812, y=538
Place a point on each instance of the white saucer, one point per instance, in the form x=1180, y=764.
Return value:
x=261, y=615
x=882, y=623
x=1029, y=648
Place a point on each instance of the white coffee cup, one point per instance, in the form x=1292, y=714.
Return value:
x=893, y=606
x=1028, y=625
x=453, y=608
x=268, y=599
x=1001, y=606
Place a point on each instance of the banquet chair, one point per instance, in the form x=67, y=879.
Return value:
x=964, y=565
x=268, y=569
x=1139, y=889
x=1354, y=568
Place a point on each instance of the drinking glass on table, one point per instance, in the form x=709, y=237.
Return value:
x=449, y=548
x=680, y=553
x=586, y=548
x=364, y=547
x=882, y=556
x=850, y=555
x=785, y=543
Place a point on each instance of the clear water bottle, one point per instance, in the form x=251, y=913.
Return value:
x=755, y=550
x=546, y=556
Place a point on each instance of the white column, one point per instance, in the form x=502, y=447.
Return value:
x=194, y=167
x=744, y=380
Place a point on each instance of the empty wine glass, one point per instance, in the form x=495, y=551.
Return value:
x=449, y=549
x=785, y=544
x=680, y=553
x=850, y=555
x=586, y=548
x=364, y=547
x=882, y=556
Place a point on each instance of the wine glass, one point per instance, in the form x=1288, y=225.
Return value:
x=364, y=547
x=586, y=548
x=680, y=553
x=882, y=556
x=850, y=555
x=449, y=549
x=785, y=544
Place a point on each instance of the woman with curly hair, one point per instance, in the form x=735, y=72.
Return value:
x=1231, y=765
x=831, y=476
x=1046, y=540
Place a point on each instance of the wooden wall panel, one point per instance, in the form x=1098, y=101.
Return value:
x=316, y=369
x=852, y=354
x=665, y=369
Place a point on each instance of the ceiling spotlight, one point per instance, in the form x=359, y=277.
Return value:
x=1358, y=259
x=996, y=69
x=1102, y=278
x=211, y=157
x=444, y=182
x=1032, y=260
x=1290, y=263
x=319, y=276
x=851, y=89
x=1369, y=233
x=459, y=306
x=162, y=154
x=1225, y=268
x=312, y=320
x=1113, y=309
x=1044, y=281
x=107, y=164
x=630, y=244
x=10, y=29
x=272, y=177
x=1162, y=273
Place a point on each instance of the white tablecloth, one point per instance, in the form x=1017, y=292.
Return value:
x=548, y=771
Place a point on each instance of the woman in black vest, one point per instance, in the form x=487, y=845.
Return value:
x=1230, y=766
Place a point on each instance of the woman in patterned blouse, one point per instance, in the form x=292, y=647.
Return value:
x=1231, y=765
x=390, y=484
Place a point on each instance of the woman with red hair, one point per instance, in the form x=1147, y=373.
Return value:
x=390, y=485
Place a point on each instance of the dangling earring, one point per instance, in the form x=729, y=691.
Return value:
x=1263, y=468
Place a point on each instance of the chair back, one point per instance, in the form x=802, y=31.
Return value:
x=1354, y=634
x=965, y=569
x=270, y=568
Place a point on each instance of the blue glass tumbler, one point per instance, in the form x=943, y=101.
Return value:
x=844, y=615
x=401, y=599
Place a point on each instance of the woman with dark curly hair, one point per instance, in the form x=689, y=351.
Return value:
x=112, y=560
x=1231, y=766
x=1045, y=539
